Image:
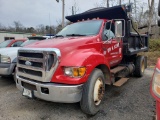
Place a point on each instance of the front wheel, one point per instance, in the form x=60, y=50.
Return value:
x=93, y=93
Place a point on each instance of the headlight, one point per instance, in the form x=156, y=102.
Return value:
x=74, y=71
x=156, y=83
x=5, y=59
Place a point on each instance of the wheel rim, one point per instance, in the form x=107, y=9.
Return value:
x=98, y=91
x=142, y=66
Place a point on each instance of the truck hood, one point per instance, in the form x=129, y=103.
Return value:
x=11, y=52
x=66, y=44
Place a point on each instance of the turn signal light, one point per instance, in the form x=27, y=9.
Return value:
x=75, y=71
x=156, y=83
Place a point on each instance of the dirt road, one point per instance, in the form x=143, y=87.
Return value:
x=131, y=101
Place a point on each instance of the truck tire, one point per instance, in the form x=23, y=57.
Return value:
x=93, y=93
x=139, y=66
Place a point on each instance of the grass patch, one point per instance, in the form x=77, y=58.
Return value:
x=152, y=58
x=154, y=45
x=154, y=52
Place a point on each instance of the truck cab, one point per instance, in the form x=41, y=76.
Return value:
x=97, y=48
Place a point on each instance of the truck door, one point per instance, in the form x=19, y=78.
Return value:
x=112, y=48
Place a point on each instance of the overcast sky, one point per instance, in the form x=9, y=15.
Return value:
x=35, y=12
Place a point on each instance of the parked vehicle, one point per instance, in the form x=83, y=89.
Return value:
x=8, y=57
x=155, y=83
x=97, y=49
x=12, y=43
x=155, y=88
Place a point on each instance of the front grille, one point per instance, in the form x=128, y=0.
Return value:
x=34, y=64
x=31, y=72
x=38, y=65
x=32, y=55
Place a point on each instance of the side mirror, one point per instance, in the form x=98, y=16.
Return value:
x=118, y=29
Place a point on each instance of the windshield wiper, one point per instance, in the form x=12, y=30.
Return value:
x=59, y=36
x=75, y=35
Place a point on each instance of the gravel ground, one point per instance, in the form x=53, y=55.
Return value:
x=132, y=101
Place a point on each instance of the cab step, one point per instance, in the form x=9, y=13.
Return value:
x=117, y=69
x=120, y=82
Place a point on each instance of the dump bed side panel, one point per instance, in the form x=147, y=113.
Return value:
x=135, y=44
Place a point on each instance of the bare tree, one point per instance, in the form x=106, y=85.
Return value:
x=41, y=29
x=99, y=4
x=120, y=2
x=151, y=10
x=75, y=8
x=2, y=28
x=107, y=3
x=140, y=16
x=18, y=26
x=135, y=9
x=129, y=1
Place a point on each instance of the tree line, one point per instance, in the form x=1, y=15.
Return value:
x=145, y=13
x=39, y=29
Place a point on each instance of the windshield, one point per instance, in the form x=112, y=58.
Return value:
x=5, y=43
x=28, y=42
x=84, y=28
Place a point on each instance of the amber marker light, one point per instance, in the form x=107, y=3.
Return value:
x=75, y=71
x=156, y=83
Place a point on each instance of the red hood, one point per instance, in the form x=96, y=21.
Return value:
x=66, y=44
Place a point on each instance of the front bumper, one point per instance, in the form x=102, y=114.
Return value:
x=56, y=92
x=7, y=69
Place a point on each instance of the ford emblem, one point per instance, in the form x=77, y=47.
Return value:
x=28, y=63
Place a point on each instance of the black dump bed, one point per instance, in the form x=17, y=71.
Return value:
x=116, y=12
x=133, y=42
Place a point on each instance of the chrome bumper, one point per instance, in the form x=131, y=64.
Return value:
x=7, y=69
x=57, y=92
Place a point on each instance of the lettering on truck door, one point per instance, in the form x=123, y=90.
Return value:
x=112, y=49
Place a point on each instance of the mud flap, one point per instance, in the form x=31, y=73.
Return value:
x=145, y=58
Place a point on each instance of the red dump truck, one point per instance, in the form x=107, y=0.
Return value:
x=98, y=48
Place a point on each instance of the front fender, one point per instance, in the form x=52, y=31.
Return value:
x=88, y=58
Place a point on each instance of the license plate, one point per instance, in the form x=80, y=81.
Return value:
x=27, y=93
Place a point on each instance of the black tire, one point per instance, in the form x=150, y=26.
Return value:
x=87, y=103
x=139, y=66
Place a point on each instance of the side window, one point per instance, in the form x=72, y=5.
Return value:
x=109, y=31
x=17, y=44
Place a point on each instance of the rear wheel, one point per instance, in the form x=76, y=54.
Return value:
x=93, y=93
x=139, y=66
